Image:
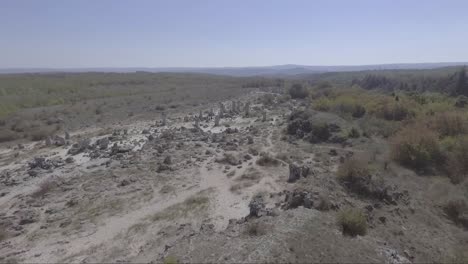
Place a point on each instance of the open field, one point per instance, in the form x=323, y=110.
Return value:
x=181, y=168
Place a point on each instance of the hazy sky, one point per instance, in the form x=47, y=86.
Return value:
x=152, y=33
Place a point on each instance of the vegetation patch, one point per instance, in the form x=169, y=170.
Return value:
x=352, y=222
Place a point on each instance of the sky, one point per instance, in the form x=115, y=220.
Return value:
x=218, y=33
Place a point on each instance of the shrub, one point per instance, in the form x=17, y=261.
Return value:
x=353, y=222
x=44, y=187
x=354, y=133
x=352, y=170
x=319, y=133
x=170, y=260
x=462, y=101
x=40, y=134
x=160, y=108
x=456, y=158
x=20, y=126
x=416, y=147
x=7, y=135
x=324, y=203
x=256, y=229
x=358, y=111
x=298, y=91
x=455, y=209
x=394, y=111
x=449, y=124
x=267, y=160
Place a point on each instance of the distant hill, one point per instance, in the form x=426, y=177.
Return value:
x=278, y=70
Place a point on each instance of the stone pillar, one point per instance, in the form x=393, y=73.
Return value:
x=247, y=109
x=221, y=109
x=164, y=118
x=217, y=118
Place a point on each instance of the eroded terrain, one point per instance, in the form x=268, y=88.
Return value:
x=216, y=182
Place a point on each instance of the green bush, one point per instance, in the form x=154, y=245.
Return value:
x=353, y=222
x=456, y=155
x=319, y=133
x=417, y=147
x=298, y=91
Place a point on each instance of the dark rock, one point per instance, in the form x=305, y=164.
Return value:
x=69, y=160
x=102, y=143
x=79, y=147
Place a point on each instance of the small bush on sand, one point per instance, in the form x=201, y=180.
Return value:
x=353, y=222
x=417, y=147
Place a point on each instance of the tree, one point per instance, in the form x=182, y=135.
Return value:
x=461, y=86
